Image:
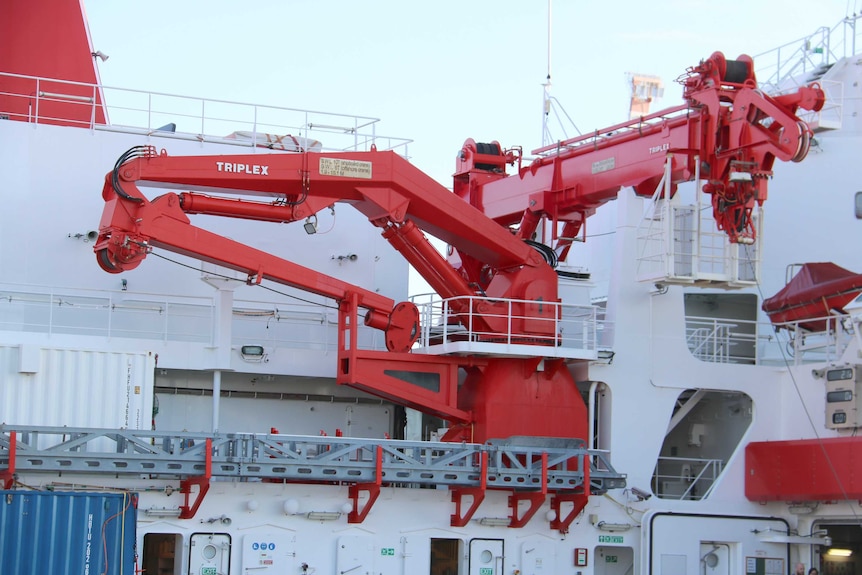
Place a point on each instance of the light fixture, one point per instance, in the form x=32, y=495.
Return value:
x=551, y=515
x=291, y=507
x=252, y=505
x=613, y=527
x=100, y=55
x=252, y=352
x=310, y=224
x=323, y=515
x=162, y=512
x=836, y=552
x=801, y=508
x=495, y=521
x=347, y=507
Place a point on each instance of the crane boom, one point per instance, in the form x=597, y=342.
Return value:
x=727, y=130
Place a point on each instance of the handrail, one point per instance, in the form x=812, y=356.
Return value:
x=695, y=479
x=759, y=343
x=204, y=119
x=817, y=50
x=568, y=330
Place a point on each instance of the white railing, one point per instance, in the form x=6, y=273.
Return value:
x=807, y=56
x=749, y=342
x=43, y=100
x=456, y=325
x=807, y=59
x=685, y=477
x=680, y=243
x=718, y=341
x=155, y=317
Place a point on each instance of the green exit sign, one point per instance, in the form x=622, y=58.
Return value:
x=387, y=551
x=486, y=571
x=208, y=571
x=610, y=538
x=610, y=558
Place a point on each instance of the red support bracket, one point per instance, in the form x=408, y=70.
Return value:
x=8, y=475
x=373, y=489
x=477, y=493
x=202, y=481
x=536, y=499
x=578, y=501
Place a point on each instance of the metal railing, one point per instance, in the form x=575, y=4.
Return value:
x=750, y=342
x=716, y=341
x=454, y=325
x=49, y=101
x=685, y=477
x=807, y=56
x=680, y=243
x=807, y=59
x=154, y=317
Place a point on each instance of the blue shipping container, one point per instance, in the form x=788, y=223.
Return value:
x=65, y=533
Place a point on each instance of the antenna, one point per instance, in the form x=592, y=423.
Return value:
x=548, y=104
x=546, y=100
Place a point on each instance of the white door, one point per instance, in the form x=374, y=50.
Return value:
x=486, y=557
x=209, y=554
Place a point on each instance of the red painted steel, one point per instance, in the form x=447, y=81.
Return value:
x=734, y=131
x=357, y=515
x=477, y=495
x=827, y=469
x=55, y=47
x=727, y=124
x=189, y=508
x=7, y=476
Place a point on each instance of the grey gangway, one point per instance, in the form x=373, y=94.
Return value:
x=534, y=464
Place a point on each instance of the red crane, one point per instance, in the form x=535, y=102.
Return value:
x=496, y=277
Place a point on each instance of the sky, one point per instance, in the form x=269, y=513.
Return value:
x=437, y=72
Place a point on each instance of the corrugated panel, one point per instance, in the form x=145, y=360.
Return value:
x=67, y=533
x=79, y=388
x=827, y=469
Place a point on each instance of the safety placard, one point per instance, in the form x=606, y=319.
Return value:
x=345, y=168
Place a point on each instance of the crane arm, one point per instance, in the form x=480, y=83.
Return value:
x=390, y=192
x=729, y=129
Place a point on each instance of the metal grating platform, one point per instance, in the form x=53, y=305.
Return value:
x=512, y=464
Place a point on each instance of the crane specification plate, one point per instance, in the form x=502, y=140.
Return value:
x=345, y=168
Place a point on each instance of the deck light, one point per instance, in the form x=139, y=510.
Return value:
x=323, y=515
x=835, y=552
x=310, y=225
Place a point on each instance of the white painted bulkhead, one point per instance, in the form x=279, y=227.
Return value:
x=167, y=311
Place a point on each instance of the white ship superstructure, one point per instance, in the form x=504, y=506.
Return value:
x=206, y=397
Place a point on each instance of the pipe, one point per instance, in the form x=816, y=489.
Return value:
x=592, y=414
x=216, y=398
